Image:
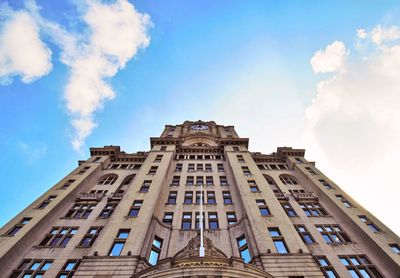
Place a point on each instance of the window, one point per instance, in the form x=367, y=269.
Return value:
x=90, y=237
x=82, y=171
x=172, y=197
x=108, y=209
x=304, y=234
x=359, y=266
x=395, y=248
x=240, y=158
x=208, y=167
x=66, y=184
x=235, y=149
x=198, y=195
x=32, y=268
x=213, y=221
x=189, y=180
x=153, y=170
x=369, y=223
x=223, y=181
x=155, y=250
x=346, y=203
x=58, y=236
x=253, y=186
x=326, y=267
x=231, y=217
x=135, y=208
x=178, y=167
x=199, y=180
x=163, y=148
x=220, y=167
x=107, y=179
x=243, y=249
x=119, y=242
x=197, y=221
x=288, y=209
x=262, y=206
x=158, y=158
x=226, y=195
x=288, y=180
x=188, y=197
x=18, y=226
x=278, y=240
x=191, y=167
x=333, y=234
x=325, y=184
x=145, y=186
x=68, y=269
x=81, y=210
x=186, y=221
x=199, y=167
x=211, y=197
x=209, y=180
x=168, y=217
x=175, y=181
x=313, y=209
x=46, y=202
x=246, y=170
x=310, y=170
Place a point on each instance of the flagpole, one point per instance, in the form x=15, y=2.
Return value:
x=201, y=250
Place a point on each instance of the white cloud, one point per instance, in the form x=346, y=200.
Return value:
x=331, y=59
x=22, y=53
x=353, y=127
x=378, y=35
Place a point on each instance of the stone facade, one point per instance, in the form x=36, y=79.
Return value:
x=135, y=215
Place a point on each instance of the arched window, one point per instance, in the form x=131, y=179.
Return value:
x=107, y=179
x=128, y=179
x=272, y=183
x=288, y=180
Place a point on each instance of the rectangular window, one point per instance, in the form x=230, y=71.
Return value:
x=197, y=220
x=199, y=180
x=246, y=170
x=325, y=184
x=119, y=242
x=189, y=180
x=333, y=234
x=158, y=158
x=209, y=180
x=66, y=184
x=191, y=167
x=145, y=186
x=172, y=197
x=360, y=266
x=395, y=248
x=211, y=197
x=32, y=268
x=231, y=217
x=163, y=148
x=243, y=249
x=108, y=209
x=46, y=202
x=90, y=237
x=278, y=240
x=253, y=186
x=369, y=223
x=168, y=217
x=135, y=208
x=155, y=250
x=199, y=167
x=213, y=221
x=58, y=236
x=186, y=221
x=313, y=209
x=310, y=170
x=346, y=203
x=304, y=234
x=188, y=197
x=235, y=149
x=178, y=167
x=208, y=167
x=326, y=267
x=81, y=210
x=18, y=226
x=68, y=269
x=83, y=170
x=262, y=206
x=175, y=181
x=240, y=158
x=153, y=170
x=223, y=181
x=288, y=209
x=198, y=195
x=227, y=197
x=220, y=167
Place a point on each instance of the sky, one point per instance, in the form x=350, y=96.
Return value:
x=319, y=75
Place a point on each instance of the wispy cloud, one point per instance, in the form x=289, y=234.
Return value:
x=114, y=34
x=32, y=152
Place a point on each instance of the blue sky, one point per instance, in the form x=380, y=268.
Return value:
x=240, y=63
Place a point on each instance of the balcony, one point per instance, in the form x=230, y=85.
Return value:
x=117, y=196
x=90, y=196
x=281, y=196
x=306, y=196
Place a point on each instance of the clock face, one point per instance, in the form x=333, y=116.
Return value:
x=199, y=127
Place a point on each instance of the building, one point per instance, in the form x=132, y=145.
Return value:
x=138, y=215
